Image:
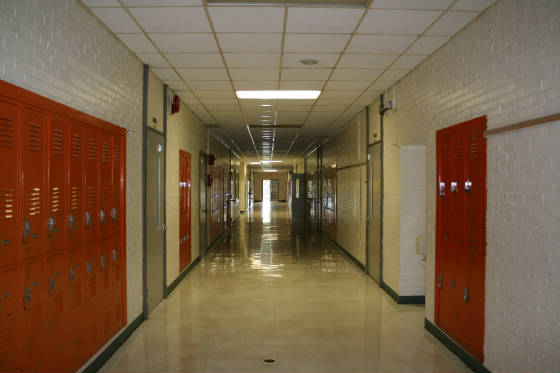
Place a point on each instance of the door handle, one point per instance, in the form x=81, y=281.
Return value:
x=51, y=225
x=441, y=188
x=466, y=295
x=468, y=186
x=88, y=219
x=26, y=230
x=114, y=213
x=71, y=220
x=101, y=217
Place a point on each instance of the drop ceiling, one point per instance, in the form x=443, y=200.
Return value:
x=205, y=52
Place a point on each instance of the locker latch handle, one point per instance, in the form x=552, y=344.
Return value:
x=440, y=282
x=51, y=224
x=468, y=186
x=88, y=267
x=51, y=283
x=72, y=274
x=71, y=220
x=115, y=255
x=88, y=219
x=114, y=213
x=101, y=216
x=441, y=188
x=27, y=297
x=102, y=261
x=466, y=295
x=26, y=231
x=454, y=187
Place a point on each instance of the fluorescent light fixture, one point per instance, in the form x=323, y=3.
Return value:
x=266, y=105
x=255, y=163
x=271, y=161
x=279, y=95
x=269, y=170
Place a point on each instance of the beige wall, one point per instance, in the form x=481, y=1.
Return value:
x=184, y=132
x=282, y=178
x=155, y=102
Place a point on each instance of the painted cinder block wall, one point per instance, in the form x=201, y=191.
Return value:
x=57, y=49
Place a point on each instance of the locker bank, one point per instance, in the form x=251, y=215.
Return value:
x=227, y=186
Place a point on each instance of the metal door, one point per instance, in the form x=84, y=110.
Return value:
x=374, y=206
x=155, y=228
x=202, y=208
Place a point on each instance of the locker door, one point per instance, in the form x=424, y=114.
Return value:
x=106, y=185
x=91, y=183
x=188, y=217
x=76, y=160
x=57, y=358
x=10, y=321
x=77, y=318
x=93, y=297
x=117, y=268
x=33, y=164
x=182, y=211
x=118, y=177
x=9, y=229
x=56, y=213
x=105, y=288
x=34, y=307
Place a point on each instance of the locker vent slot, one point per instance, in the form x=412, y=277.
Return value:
x=75, y=198
x=6, y=203
x=474, y=149
x=116, y=196
x=458, y=149
x=105, y=152
x=57, y=141
x=34, y=137
x=92, y=145
x=91, y=198
x=34, y=201
x=117, y=154
x=446, y=151
x=7, y=133
x=76, y=145
x=56, y=199
x=105, y=194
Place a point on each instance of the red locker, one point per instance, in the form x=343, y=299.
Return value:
x=118, y=184
x=9, y=227
x=10, y=321
x=117, y=269
x=93, y=298
x=34, y=307
x=58, y=328
x=77, y=316
x=105, y=185
x=91, y=183
x=33, y=165
x=57, y=173
x=76, y=159
x=184, y=209
x=106, y=289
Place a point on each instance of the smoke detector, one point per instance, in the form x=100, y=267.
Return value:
x=308, y=61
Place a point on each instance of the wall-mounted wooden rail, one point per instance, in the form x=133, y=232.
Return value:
x=525, y=124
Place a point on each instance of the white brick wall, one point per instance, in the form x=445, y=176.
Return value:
x=57, y=49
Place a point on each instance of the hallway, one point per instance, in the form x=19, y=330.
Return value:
x=276, y=289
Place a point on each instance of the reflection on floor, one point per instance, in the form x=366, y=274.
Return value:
x=276, y=290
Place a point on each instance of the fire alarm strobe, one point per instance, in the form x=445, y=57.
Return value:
x=175, y=105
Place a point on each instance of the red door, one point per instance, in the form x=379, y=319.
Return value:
x=184, y=209
x=460, y=233
x=10, y=321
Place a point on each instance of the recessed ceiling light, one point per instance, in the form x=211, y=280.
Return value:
x=266, y=105
x=255, y=163
x=279, y=95
x=270, y=170
x=309, y=61
x=271, y=161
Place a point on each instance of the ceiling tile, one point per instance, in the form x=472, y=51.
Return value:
x=255, y=84
x=128, y=3
x=380, y=44
x=374, y=61
x=302, y=84
x=203, y=74
x=305, y=74
x=202, y=60
x=332, y=108
x=408, y=62
x=153, y=59
x=214, y=94
x=172, y=19
x=319, y=43
x=293, y=108
x=250, y=42
x=356, y=74
x=427, y=44
x=200, y=42
x=334, y=101
x=211, y=85
x=412, y=4
x=254, y=74
x=392, y=75
x=101, y=3
x=380, y=86
x=325, y=95
x=247, y=60
x=166, y=74
x=397, y=22
x=347, y=84
x=185, y=95
x=138, y=43
x=324, y=60
x=116, y=19
x=451, y=23
x=247, y=18
x=176, y=84
x=322, y=20
x=218, y=101
x=477, y=5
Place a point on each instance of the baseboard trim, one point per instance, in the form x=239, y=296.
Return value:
x=106, y=354
x=403, y=299
x=182, y=275
x=350, y=256
x=452, y=346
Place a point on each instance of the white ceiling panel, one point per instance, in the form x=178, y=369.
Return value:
x=392, y=75
x=302, y=84
x=200, y=60
x=203, y=74
x=340, y=94
x=293, y=108
x=210, y=85
x=332, y=108
x=199, y=42
x=138, y=43
x=356, y=74
x=408, y=62
x=247, y=18
x=324, y=60
x=347, y=85
x=218, y=101
x=116, y=19
x=427, y=44
x=397, y=22
x=334, y=101
x=215, y=94
x=380, y=86
x=176, y=84
x=322, y=20
x=153, y=59
x=248, y=60
x=318, y=43
x=101, y=3
x=412, y=4
x=172, y=19
x=372, y=61
x=380, y=44
x=254, y=74
x=247, y=85
x=305, y=74
x=475, y=5
x=451, y=23
x=133, y=3
x=185, y=95
x=250, y=42
x=166, y=74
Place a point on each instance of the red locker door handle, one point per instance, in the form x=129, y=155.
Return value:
x=51, y=225
x=441, y=189
x=468, y=186
x=88, y=219
x=114, y=213
x=466, y=295
x=71, y=220
x=101, y=217
x=454, y=187
x=26, y=230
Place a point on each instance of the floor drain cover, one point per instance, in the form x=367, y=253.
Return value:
x=269, y=361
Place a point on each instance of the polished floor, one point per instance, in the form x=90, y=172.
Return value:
x=275, y=289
